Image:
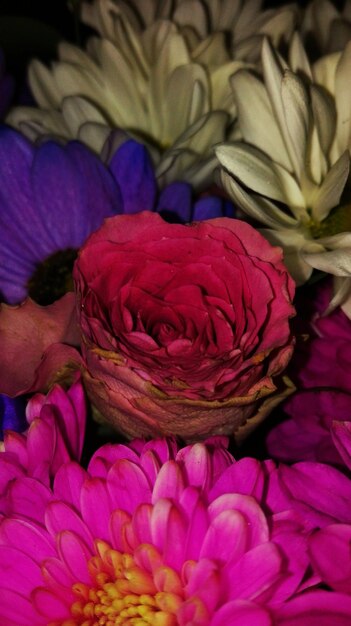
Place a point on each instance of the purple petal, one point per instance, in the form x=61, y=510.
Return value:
x=133, y=171
x=208, y=208
x=175, y=202
x=12, y=414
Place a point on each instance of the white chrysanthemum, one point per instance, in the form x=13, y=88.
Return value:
x=291, y=168
x=326, y=27
x=243, y=20
x=176, y=101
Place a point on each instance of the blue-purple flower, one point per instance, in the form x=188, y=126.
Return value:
x=53, y=197
x=12, y=414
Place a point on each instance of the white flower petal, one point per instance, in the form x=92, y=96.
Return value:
x=256, y=207
x=94, y=135
x=329, y=193
x=298, y=59
x=43, y=86
x=192, y=13
x=212, y=52
x=343, y=99
x=297, y=115
x=280, y=25
x=77, y=111
x=292, y=241
x=251, y=167
x=336, y=262
x=324, y=116
x=189, y=84
x=206, y=132
x=256, y=120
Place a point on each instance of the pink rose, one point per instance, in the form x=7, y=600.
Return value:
x=185, y=328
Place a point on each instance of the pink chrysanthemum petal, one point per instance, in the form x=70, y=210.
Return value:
x=330, y=550
x=18, y=570
x=17, y=609
x=68, y=483
x=226, y=537
x=169, y=482
x=243, y=613
x=127, y=485
x=75, y=554
x=48, y=604
x=20, y=534
x=61, y=517
x=95, y=507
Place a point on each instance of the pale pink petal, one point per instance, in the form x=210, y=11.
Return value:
x=197, y=464
x=226, y=538
x=257, y=527
x=128, y=486
x=26, y=332
x=169, y=482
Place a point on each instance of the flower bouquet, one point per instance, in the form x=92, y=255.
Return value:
x=175, y=317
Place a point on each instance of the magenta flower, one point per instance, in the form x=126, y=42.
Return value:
x=151, y=535
x=331, y=556
x=308, y=434
x=321, y=368
x=55, y=436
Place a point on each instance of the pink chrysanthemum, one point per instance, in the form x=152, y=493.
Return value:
x=152, y=535
x=55, y=436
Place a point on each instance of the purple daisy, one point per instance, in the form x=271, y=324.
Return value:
x=53, y=197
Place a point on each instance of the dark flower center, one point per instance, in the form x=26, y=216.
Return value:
x=53, y=277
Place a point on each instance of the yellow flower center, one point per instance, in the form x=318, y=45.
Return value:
x=124, y=594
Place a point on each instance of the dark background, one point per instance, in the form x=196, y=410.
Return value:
x=33, y=28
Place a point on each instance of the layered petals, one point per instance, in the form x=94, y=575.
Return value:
x=168, y=345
